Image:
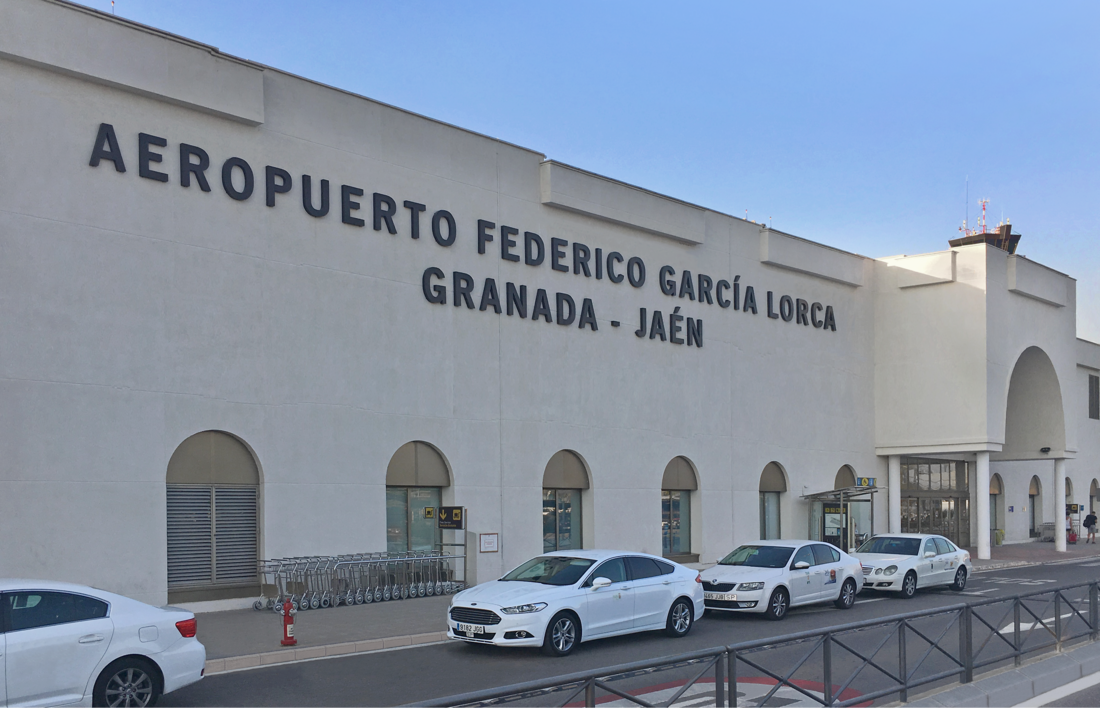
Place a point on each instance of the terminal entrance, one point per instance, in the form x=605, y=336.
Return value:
x=845, y=515
x=935, y=498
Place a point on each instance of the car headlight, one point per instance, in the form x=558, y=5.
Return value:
x=751, y=586
x=890, y=570
x=523, y=609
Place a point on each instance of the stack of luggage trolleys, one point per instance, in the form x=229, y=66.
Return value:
x=313, y=582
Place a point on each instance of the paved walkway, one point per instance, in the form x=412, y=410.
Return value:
x=240, y=639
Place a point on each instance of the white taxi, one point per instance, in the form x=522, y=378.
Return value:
x=560, y=599
x=773, y=576
x=903, y=562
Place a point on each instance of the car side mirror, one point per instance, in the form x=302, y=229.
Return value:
x=929, y=554
x=801, y=565
x=600, y=583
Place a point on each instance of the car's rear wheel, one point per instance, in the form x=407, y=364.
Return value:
x=847, y=597
x=909, y=585
x=562, y=634
x=680, y=618
x=960, y=579
x=130, y=682
x=778, y=604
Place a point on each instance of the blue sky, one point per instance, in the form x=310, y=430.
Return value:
x=853, y=124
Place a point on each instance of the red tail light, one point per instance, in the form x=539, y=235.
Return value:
x=188, y=628
x=699, y=578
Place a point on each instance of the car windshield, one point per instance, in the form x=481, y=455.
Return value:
x=892, y=546
x=551, y=570
x=759, y=556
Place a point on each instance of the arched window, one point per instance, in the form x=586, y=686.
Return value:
x=415, y=479
x=845, y=478
x=562, y=482
x=676, y=487
x=773, y=483
x=213, y=522
x=996, y=500
x=1035, y=508
x=1069, y=490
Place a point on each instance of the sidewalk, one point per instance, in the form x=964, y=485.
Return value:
x=239, y=639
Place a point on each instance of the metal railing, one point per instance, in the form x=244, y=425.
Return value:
x=842, y=665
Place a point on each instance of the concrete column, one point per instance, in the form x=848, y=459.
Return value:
x=981, y=491
x=894, y=492
x=1060, y=505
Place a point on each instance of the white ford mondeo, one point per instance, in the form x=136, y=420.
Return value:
x=903, y=562
x=774, y=576
x=71, y=644
x=561, y=599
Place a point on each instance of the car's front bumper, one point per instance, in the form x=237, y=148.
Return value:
x=747, y=601
x=525, y=630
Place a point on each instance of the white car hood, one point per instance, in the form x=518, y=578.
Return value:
x=879, y=560
x=505, y=593
x=739, y=573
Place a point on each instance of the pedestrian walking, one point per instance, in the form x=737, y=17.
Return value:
x=1090, y=525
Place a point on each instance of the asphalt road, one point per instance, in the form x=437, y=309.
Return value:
x=401, y=676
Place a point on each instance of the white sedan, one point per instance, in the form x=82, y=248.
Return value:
x=774, y=576
x=560, y=599
x=903, y=562
x=70, y=644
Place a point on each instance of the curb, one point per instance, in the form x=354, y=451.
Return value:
x=270, y=658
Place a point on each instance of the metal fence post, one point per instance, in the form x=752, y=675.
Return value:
x=827, y=668
x=1094, y=611
x=1058, y=620
x=903, y=668
x=1017, y=643
x=731, y=671
x=965, y=647
x=590, y=693
x=720, y=682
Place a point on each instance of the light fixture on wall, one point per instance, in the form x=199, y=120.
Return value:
x=1044, y=450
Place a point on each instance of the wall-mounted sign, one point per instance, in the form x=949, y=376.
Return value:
x=429, y=512
x=1011, y=509
x=866, y=481
x=489, y=542
x=1073, y=508
x=836, y=509
x=452, y=517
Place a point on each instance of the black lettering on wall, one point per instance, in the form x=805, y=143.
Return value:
x=542, y=306
x=106, y=148
x=462, y=287
x=687, y=285
x=517, y=301
x=565, y=302
x=599, y=264
x=613, y=258
x=307, y=197
x=814, y=309
x=415, y=210
x=750, y=299
x=588, y=314
x=635, y=271
x=771, y=306
x=657, y=326
x=830, y=319
x=581, y=255
x=557, y=252
x=786, y=308
x=435, y=294
x=801, y=306
x=438, y=219
x=695, y=332
x=483, y=235
x=283, y=186
x=384, y=209
x=146, y=155
x=489, y=296
x=675, y=326
x=507, y=243
x=533, y=240
x=227, y=179
x=723, y=302
x=668, y=284
x=198, y=169
x=705, y=284
x=348, y=205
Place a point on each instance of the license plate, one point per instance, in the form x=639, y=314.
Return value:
x=471, y=629
x=727, y=597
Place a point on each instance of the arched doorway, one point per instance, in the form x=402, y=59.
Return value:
x=415, y=479
x=212, y=487
x=996, y=504
x=677, y=487
x=773, y=483
x=1035, y=508
x=563, y=482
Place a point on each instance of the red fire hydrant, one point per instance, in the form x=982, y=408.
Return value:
x=288, y=624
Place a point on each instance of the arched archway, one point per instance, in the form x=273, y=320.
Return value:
x=416, y=476
x=1034, y=417
x=563, y=483
x=212, y=492
x=845, y=478
x=678, y=486
x=1035, y=508
x=773, y=484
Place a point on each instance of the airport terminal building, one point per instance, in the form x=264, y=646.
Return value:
x=244, y=315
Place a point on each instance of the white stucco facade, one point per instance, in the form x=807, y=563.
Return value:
x=136, y=312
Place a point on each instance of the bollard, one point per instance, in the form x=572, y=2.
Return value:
x=288, y=624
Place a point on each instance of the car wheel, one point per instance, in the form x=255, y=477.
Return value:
x=127, y=682
x=778, y=604
x=680, y=618
x=960, y=579
x=847, y=598
x=562, y=634
x=909, y=585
